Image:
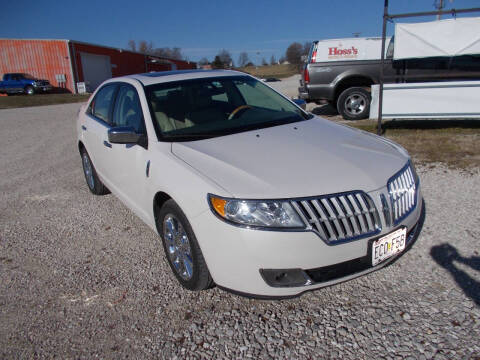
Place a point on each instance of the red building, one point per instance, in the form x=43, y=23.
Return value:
x=66, y=62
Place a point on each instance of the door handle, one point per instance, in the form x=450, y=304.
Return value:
x=84, y=128
x=107, y=144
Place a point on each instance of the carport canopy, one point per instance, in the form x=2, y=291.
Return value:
x=451, y=37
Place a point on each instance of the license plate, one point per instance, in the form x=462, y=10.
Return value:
x=388, y=245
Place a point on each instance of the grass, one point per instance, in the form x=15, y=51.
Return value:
x=17, y=101
x=456, y=143
x=278, y=71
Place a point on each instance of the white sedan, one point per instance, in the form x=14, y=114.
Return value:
x=247, y=190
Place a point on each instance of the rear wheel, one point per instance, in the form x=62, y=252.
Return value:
x=91, y=177
x=181, y=248
x=354, y=103
x=29, y=90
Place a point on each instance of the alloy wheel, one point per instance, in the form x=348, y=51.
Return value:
x=178, y=246
x=87, y=168
x=355, y=104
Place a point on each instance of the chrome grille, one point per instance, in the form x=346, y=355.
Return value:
x=340, y=217
x=403, y=191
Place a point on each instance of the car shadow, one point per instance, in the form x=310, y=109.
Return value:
x=447, y=256
x=325, y=109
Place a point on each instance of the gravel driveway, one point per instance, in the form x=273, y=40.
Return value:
x=81, y=277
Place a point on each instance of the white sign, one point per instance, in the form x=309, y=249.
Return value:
x=81, y=88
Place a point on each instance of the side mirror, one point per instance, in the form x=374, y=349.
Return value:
x=300, y=102
x=125, y=135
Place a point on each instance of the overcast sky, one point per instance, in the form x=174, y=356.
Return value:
x=262, y=28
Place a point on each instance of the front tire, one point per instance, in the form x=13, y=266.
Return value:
x=181, y=248
x=29, y=90
x=94, y=184
x=354, y=103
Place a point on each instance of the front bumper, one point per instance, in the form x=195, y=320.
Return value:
x=44, y=88
x=236, y=256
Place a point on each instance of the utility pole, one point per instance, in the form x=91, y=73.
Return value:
x=439, y=4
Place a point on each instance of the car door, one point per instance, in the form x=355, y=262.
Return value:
x=98, y=120
x=128, y=166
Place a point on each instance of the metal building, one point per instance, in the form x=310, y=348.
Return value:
x=65, y=63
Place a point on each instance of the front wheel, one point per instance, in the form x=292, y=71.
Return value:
x=354, y=103
x=181, y=248
x=29, y=90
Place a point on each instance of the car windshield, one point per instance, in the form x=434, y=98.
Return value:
x=203, y=108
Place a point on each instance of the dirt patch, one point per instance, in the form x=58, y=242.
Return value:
x=278, y=71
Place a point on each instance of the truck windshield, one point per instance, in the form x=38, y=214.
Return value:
x=28, y=77
x=203, y=108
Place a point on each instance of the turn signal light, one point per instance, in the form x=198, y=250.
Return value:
x=218, y=205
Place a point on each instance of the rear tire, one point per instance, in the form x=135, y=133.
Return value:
x=94, y=184
x=354, y=103
x=29, y=90
x=181, y=247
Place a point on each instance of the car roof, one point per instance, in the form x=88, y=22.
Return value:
x=168, y=76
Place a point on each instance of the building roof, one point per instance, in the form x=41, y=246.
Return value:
x=102, y=46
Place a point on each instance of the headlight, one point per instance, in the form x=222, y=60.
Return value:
x=256, y=213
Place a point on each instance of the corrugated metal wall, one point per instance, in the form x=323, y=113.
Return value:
x=125, y=62
x=41, y=58
x=47, y=58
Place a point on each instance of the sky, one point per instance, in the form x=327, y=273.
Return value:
x=261, y=28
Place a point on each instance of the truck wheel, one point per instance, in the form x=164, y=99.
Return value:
x=354, y=103
x=29, y=90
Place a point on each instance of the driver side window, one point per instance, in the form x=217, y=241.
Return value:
x=128, y=111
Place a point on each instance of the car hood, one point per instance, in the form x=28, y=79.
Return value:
x=307, y=158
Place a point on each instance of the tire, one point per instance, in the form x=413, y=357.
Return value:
x=29, y=90
x=94, y=184
x=181, y=247
x=354, y=103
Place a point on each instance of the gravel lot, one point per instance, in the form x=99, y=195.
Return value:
x=81, y=277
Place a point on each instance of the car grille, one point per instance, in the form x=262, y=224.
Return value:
x=403, y=190
x=340, y=217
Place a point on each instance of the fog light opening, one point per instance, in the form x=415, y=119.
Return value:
x=285, y=277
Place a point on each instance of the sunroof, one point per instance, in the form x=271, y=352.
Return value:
x=174, y=72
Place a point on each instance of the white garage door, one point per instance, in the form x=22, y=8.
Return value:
x=96, y=69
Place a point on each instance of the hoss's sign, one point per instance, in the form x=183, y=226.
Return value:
x=340, y=53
